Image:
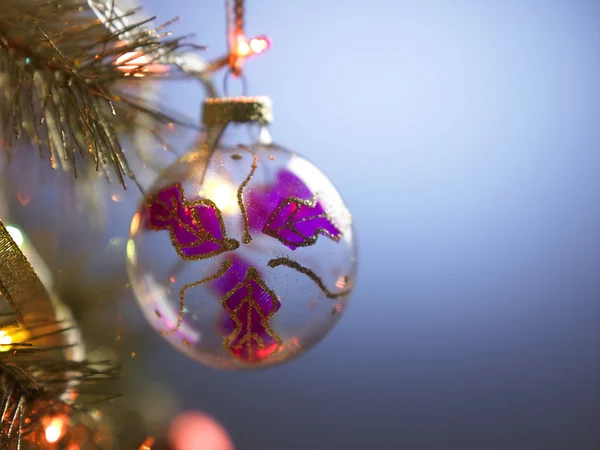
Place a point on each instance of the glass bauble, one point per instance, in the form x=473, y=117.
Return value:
x=244, y=261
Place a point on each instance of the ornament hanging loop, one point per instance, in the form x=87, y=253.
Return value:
x=219, y=112
x=241, y=77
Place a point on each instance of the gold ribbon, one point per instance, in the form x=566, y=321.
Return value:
x=19, y=283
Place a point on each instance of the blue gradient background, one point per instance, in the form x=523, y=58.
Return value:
x=465, y=137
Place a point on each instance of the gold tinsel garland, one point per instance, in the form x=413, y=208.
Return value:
x=43, y=368
x=73, y=89
x=68, y=85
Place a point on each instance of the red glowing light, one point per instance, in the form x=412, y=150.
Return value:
x=54, y=428
x=136, y=62
x=245, y=48
x=242, y=47
x=260, y=44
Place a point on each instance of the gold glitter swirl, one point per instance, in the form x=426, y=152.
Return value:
x=224, y=268
x=246, y=238
x=309, y=273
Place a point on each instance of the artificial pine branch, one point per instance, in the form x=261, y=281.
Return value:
x=38, y=383
x=63, y=88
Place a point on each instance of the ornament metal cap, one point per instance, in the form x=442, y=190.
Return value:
x=221, y=111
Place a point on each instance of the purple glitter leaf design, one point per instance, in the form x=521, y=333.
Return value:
x=196, y=228
x=298, y=223
x=163, y=207
x=262, y=201
x=288, y=211
x=249, y=305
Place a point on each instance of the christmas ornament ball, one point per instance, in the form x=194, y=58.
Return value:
x=242, y=260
